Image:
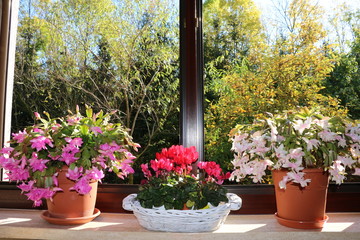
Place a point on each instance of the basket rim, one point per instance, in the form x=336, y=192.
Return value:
x=136, y=206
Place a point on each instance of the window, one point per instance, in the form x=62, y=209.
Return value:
x=110, y=54
x=191, y=116
x=266, y=56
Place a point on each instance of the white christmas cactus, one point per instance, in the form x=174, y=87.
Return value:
x=295, y=140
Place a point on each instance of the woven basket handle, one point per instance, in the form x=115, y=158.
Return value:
x=235, y=201
x=128, y=202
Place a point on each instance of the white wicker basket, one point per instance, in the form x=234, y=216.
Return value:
x=159, y=219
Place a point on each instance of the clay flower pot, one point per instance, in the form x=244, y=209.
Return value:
x=69, y=207
x=302, y=207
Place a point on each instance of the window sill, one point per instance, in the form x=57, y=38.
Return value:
x=28, y=224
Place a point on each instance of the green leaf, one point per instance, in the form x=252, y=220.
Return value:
x=89, y=112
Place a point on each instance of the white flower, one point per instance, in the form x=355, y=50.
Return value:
x=327, y=136
x=239, y=160
x=302, y=125
x=298, y=177
x=293, y=144
x=342, y=141
x=323, y=123
x=240, y=147
x=312, y=143
x=337, y=172
x=274, y=131
x=296, y=154
x=282, y=183
x=354, y=137
x=346, y=160
x=280, y=151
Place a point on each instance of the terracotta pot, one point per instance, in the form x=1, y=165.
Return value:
x=70, y=204
x=299, y=207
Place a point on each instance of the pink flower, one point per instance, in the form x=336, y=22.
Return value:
x=82, y=186
x=74, y=142
x=101, y=160
x=162, y=164
x=73, y=120
x=26, y=187
x=7, y=163
x=357, y=171
x=40, y=143
x=19, y=174
x=145, y=170
x=37, y=115
x=68, y=157
x=36, y=194
x=341, y=140
x=94, y=174
x=211, y=168
x=55, y=180
x=96, y=130
x=107, y=150
x=74, y=174
x=220, y=179
x=38, y=130
x=214, y=172
x=129, y=155
x=20, y=137
x=179, y=155
x=37, y=164
x=6, y=150
x=125, y=168
x=136, y=146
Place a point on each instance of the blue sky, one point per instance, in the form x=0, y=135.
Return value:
x=269, y=12
x=327, y=4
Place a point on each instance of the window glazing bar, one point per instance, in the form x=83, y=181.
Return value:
x=191, y=75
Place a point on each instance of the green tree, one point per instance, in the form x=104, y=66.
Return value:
x=111, y=55
x=290, y=74
x=344, y=82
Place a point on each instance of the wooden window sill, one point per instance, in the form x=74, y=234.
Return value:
x=28, y=224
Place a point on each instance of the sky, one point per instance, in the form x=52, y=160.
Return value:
x=327, y=4
x=267, y=6
x=268, y=10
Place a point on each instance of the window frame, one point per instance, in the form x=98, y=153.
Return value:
x=257, y=199
x=9, y=22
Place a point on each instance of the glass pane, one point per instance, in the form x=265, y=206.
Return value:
x=110, y=54
x=274, y=55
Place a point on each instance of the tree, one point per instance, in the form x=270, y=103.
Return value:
x=344, y=81
x=111, y=55
x=290, y=74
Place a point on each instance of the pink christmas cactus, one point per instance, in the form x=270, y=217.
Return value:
x=19, y=137
x=87, y=145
